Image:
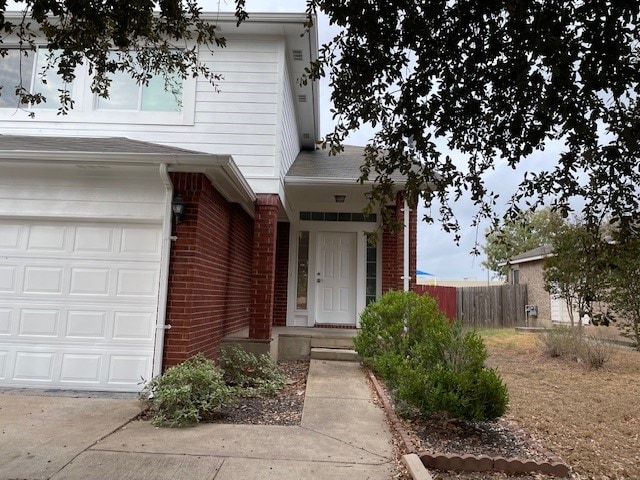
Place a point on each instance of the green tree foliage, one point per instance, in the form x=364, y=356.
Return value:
x=575, y=272
x=492, y=80
x=431, y=364
x=495, y=81
x=149, y=37
x=511, y=237
x=622, y=291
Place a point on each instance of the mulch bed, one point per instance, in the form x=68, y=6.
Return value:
x=283, y=409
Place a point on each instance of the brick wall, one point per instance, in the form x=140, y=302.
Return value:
x=393, y=249
x=531, y=274
x=282, y=275
x=210, y=271
x=264, y=264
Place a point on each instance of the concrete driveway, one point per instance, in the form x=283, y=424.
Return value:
x=343, y=435
x=40, y=435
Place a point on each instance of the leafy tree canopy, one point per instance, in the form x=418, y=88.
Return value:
x=494, y=80
x=517, y=235
x=147, y=36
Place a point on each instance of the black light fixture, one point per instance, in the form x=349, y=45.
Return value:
x=177, y=205
x=340, y=198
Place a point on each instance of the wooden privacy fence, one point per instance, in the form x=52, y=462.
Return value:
x=445, y=296
x=492, y=306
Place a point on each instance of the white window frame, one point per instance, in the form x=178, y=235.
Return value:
x=85, y=101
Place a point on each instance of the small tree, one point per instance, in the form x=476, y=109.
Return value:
x=575, y=270
x=623, y=287
x=512, y=237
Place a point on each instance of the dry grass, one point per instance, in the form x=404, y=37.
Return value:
x=590, y=418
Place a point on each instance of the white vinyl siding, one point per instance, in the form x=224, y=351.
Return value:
x=81, y=191
x=238, y=120
x=290, y=143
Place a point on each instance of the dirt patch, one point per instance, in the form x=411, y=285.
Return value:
x=590, y=418
x=283, y=409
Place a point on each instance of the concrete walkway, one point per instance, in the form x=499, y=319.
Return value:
x=343, y=435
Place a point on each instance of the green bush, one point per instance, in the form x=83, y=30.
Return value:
x=249, y=374
x=430, y=364
x=187, y=393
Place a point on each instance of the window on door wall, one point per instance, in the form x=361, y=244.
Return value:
x=372, y=271
x=303, y=271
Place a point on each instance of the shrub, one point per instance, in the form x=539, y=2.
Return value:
x=390, y=325
x=593, y=351
x=187, y=393
x=431, y=364
x=249, y=374
x=560, y=342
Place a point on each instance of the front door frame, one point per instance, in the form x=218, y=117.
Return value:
x=323, y=278
x=307, y=317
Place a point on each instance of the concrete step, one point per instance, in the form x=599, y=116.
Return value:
x=338, y=354
x=332, y=342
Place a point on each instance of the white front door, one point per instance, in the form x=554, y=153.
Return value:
x=336, y=278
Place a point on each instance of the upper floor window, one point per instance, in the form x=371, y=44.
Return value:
x=168, y=101
x=158, y=95
x=26, y=69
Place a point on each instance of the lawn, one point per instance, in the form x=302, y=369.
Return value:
x=590, y=418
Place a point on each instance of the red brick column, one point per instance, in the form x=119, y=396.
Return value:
x=393, y=249
x=282, y=275
x=264, y=266
x=413, y=246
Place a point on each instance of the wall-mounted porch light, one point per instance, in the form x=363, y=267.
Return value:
x=177, y=206
x=340, y=198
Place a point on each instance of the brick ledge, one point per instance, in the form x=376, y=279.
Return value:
x=466, y=463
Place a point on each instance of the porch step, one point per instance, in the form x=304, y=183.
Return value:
x=332, y=342
x=337, y=354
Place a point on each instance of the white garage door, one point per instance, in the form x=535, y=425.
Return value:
x=78, y=304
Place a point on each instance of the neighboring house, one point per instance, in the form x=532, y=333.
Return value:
x=101, y=287
x=528, y=268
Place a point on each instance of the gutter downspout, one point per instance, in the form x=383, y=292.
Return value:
x=406, y=274
x=163, y=292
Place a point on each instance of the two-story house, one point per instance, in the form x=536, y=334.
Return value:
x=102, y=285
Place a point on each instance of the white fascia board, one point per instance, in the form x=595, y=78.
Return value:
x=58, y=156
x=525, y=260
x=221, y=169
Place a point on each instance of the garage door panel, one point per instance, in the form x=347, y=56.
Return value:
x=34, y=366
x=86, y=324
x=37, y=322
x=41, y=279
x=78, y=304
x=47, y=238
x=94, y=239
x=4, y=358
x=6, y=315
x=79, y=368
x=133, y=325
x=10, y=235
x=128, y=369
x=137, y=282
x=90, y=281
x=8, y=276
x=140, y=241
